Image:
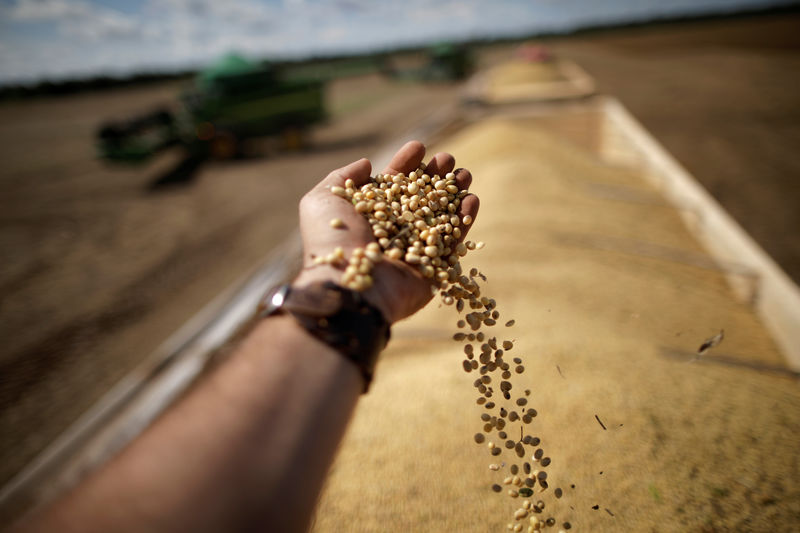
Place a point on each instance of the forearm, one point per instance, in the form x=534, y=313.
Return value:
x=248, y=449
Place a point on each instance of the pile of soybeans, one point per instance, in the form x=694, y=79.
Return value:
x=415, y=219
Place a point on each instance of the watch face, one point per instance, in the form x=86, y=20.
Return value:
x=274, y=300
x=278, y=297
x=338, y=317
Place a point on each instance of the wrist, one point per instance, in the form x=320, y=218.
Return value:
x=340, y=317
x=375, y=295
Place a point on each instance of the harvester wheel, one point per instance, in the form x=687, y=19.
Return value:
x=294, y=138
x=224, y=145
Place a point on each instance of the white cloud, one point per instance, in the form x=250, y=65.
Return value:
x=39, y=10
x=76, y=18
x=193, y=32
x=102, y=25
x=238, y=11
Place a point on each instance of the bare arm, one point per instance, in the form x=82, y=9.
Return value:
x=249, y=448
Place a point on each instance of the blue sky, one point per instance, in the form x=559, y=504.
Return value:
x=72, y=38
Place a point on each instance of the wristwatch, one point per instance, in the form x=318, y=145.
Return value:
x=337, y=316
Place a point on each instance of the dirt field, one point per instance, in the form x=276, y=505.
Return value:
x=97, y=269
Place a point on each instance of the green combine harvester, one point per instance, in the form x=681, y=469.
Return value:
x=229, y=102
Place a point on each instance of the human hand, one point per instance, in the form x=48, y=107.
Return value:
x=398, y=290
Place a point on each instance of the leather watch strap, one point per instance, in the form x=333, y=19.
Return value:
x=339, y=317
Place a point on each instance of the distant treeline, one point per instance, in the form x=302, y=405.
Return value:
x=342, y=65
x=326, y=67
x=74, y=86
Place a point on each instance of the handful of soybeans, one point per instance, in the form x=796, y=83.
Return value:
x=414, y=219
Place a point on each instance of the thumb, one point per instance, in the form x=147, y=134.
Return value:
x=358, y=171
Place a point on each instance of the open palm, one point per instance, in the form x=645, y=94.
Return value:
x=398, y=289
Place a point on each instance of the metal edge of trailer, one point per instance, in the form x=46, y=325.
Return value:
x=777, y=297
x=750, y=272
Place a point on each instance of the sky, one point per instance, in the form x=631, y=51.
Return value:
x=57, y=39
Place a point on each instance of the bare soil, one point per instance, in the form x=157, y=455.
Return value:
x=99, y=267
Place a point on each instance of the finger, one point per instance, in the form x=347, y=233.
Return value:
x=406, y=159
x=469, y=206
x=440, y=164
x=463, y=178
x=358, y=171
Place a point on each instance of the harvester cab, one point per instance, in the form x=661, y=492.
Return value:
x=229, y=102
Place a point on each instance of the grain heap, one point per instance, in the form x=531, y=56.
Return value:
x=414, y=219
